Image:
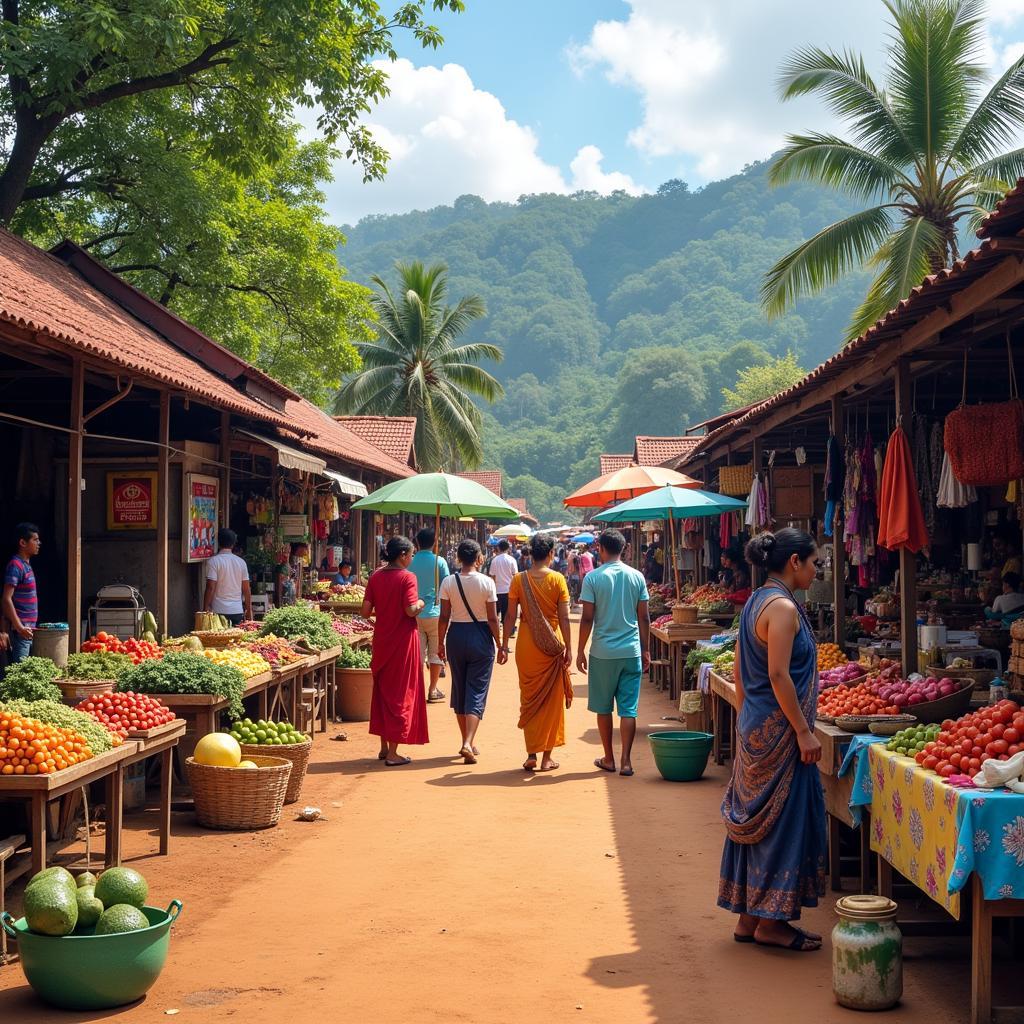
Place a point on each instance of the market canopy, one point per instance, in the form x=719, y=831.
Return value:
x=353, y=488
x=513, y=530
x=672, y=503
x=623, y=484
x=290, y=458
x=437, y=494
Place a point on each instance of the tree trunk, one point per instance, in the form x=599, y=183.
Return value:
x=29, y=138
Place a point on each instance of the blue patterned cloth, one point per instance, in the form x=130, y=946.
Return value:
x=990, y=828
x=773, y=863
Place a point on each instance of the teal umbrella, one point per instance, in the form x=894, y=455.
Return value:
x=437, y=494
x=671, y=503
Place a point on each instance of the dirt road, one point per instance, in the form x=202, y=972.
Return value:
x=445, y=893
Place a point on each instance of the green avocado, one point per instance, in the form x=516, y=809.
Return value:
x=89, y=908
x=51, y=908
x=121, y=918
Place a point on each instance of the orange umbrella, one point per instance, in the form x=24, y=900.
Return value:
x=628, y=482
x=900, y=519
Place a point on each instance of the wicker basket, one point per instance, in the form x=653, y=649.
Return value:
x=736, y=480
x=239, y=799
x=297, y=753
x=979, y=676
x=74, y=691
x=1017, y=629
x=217, y=638
x=683, y=614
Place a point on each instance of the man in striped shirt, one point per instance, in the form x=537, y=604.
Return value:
x=20, y=603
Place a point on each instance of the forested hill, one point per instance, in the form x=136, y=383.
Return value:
x=617, y=315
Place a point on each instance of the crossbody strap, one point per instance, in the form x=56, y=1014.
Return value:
x=462, y=592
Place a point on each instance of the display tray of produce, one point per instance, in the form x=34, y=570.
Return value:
x=158, y=730
x=301, y=622
x=127, y=714
x=97, y=764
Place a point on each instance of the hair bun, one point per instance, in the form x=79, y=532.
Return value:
x=768, y=541
x=759, y=549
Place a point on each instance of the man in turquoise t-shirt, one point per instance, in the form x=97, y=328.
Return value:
x=614, y=601
x=427, y=567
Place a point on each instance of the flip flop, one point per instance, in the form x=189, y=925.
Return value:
x=742, y=938
x=800, y=943
x=598, y=763
x=627, y=772
x=397, y=764
x=551, y=767
x=530, y=768
x=436, y=698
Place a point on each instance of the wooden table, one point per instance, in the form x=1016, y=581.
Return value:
x=838, y=791
x=724, y=702
x=159, y=742
x=41, y=790
x=670, y=646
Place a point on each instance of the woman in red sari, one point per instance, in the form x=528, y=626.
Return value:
x=398, y=709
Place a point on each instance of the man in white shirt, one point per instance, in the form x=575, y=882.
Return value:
x=503, y=569
x=227, y=582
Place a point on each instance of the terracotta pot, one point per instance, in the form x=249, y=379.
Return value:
x=355, y=689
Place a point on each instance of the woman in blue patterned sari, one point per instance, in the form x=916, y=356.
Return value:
x=774, y=858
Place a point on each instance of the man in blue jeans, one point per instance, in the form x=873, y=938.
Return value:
x=614, y=601
x=20, y=604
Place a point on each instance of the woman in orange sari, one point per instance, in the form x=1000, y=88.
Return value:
x=542, y=659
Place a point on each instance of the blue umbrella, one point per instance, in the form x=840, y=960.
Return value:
x=583, y=538
x=671, y=503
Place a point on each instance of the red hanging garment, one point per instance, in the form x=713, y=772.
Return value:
x=900, y=519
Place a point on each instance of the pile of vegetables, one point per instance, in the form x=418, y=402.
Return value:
x=853, y=700
x=184, y=672
x=123, y=713
x=301, y=622
x=351, y=625
x=31, y=747
x=31, y=679
x=724, y=663
x=248, y=662
x=349, y=593
x=136, y=650
x=60, y=716
x=960, y=747
x=250, y=626
x=352, y=657
x=845, y=674
x=911, y=741
x=275, y=650
x=264, y=733
x=662, y=620
x=98, y=665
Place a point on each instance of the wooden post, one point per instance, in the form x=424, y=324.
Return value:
x=225, y=470
x=908, y=560
x=163, y=467
x=75, y=444
x=675, y=562
x=757, y=575
x=838, y=551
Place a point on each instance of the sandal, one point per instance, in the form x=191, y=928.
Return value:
x=397, y=764
x=598, y=763
x=800, y=943
x=530, y=764
x=627, y=772
x=436, y=697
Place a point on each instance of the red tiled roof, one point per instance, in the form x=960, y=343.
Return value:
x=40, y=293
x=489, y=478
x=1008, y=216
x=653, y=451
x=393, y=435
x=334, y=438
x=611, y=463
x=933, y=292
x=519, y=504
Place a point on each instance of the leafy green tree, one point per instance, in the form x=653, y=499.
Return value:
x=926, y=151
x=239, y=65
x=414, y=367
x=762, y=380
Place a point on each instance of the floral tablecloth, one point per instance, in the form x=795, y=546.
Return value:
x=936, y=834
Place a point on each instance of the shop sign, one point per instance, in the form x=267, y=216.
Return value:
x=199, y=532
x=131, y=500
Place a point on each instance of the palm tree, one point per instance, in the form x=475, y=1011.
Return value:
x=414, y=368
x=928, y=151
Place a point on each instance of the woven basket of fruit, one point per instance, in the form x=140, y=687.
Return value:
x=74, y=691
x=218, y=637
x=273, y=738
x=239, y=799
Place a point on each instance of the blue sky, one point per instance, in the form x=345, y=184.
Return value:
x=555, y=95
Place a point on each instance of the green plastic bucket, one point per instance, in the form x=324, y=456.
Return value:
x=680, y=756
x=94, y=972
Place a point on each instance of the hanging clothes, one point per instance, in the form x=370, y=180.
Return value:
x=952, y=493
x=724, y=530
x=900, y=518
x=753, y=503
x=835, y=482
x=921, y=453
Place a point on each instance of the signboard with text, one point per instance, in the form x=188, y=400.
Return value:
x=131, y=500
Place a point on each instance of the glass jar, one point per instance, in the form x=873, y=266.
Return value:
x=867, y=953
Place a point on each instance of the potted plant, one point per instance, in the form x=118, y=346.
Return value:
x=355, y=684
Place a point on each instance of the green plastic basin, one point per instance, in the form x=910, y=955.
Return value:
x=680, y=756
x=94, y=972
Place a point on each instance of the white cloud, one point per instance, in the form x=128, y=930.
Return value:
x=706, y=72
x=447, y=138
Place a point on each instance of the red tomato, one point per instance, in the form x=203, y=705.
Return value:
x=997, y=730
x=997, y=747
x=946, y=770
x=1011, y=735
x=930, y=762
x=975, y=764
x=1013, y=748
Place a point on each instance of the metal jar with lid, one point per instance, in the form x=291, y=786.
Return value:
x=867, y=953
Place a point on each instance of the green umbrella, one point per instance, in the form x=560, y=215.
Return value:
x=437, y=494
x=671, y=503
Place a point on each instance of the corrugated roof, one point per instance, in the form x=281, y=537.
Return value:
x=394, y=435
x=933, y=292
x=489, y=478
x=653, y=451
x=40, y=293
x=611, y=463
